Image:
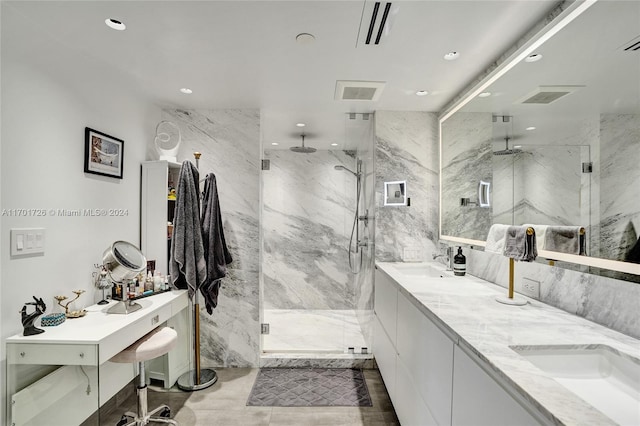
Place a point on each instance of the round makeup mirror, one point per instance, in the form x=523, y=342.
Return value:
x=122, y=261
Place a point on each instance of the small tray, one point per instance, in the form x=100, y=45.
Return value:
x=76, y=314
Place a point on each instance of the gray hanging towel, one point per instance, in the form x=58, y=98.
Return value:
x=187, y=265
x=520, y=246
x=216, y=254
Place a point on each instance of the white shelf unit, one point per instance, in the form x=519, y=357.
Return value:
x=156, y=210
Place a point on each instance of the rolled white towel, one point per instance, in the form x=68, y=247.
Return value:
x=496, y=238
x=541, y=232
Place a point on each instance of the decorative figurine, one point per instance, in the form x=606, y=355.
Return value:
x=29, y=319
x=72, y=314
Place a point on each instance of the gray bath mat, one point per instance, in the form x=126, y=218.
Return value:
x=309, y=387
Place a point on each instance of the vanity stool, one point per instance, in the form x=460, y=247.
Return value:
x=152, y=345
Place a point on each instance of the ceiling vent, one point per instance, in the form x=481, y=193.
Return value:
x=358, y=90
x=544, y=95
x=380, y=23
x=632, y=46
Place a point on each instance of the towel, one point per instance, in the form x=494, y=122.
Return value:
x=187, y=265
x=216, y=254
x=563, y=239
x=495, y=239
x=541, y=233
x=520, y=246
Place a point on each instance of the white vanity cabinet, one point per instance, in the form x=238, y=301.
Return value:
x=426, y=353
x=414, y=357
x=430, y=380
x=479, y=400
x=386, y=303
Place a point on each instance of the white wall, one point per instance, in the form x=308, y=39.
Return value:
x=45, y=108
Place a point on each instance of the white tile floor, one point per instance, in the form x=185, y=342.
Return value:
x=307, y=330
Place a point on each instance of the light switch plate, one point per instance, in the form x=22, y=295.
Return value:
x=27, y=241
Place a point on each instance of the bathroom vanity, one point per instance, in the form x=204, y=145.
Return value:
x=449, y=354
x=63, y=376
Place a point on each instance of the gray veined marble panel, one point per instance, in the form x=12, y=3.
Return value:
x=406, y=149
x=620, y=180
x=466, y=160
x=307, y=215
x=229, y=141
x=606, y=301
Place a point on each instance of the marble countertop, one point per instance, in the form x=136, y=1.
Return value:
x=466, y=308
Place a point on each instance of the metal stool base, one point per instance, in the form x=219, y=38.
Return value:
x=187, y=382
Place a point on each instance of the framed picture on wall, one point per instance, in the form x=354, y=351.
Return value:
x=103, y=154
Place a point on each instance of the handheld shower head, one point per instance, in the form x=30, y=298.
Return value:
x=340, y=167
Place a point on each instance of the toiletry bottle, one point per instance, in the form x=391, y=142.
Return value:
x=148, y=283
x=459, y=263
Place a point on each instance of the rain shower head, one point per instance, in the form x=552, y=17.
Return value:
x=303, y=149
x=340, y=167
x=507, y=151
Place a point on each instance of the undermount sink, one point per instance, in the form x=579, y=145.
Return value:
x=598, y=374
x=420, y=269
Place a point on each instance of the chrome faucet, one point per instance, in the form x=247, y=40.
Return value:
x=448, y=256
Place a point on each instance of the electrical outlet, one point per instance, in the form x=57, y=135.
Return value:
x=412, y=254
x=530, y=288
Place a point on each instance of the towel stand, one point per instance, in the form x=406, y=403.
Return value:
x=510, y=300
x=197, y=378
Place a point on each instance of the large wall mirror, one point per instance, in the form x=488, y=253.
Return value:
x=557, y=136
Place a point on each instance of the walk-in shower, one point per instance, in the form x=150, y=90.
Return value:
x=316, y=279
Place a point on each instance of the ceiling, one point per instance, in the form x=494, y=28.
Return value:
x=589, y=54
x=244, y=54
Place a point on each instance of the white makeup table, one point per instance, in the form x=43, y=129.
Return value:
x=62, y=376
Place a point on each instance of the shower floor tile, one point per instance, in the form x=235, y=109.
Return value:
x=312, y=330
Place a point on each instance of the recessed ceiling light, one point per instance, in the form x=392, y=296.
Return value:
x=334, y=144
x=535, y=57
x=305, y=38
x=451, y=56
x=186, y=91
x=517, y=146
x=484, y=95
x=115, y=24
x=530, y=128
x=422, y=93
x=300, y=124
x=274, y=143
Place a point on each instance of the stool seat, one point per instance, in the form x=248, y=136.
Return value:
x=152, y=345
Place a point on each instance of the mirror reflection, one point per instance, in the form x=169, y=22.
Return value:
x=557, y=137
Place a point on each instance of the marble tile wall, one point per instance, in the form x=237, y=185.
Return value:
x=548, y=185
x=307, y=215
x=467, y=159
x=606, y=301
x=619, y=183
x=407, y=149
x=229, y=141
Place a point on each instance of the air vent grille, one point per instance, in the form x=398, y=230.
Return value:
x=358, y=90
x=380, y=24
x=632, y=46
x=545, y=95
